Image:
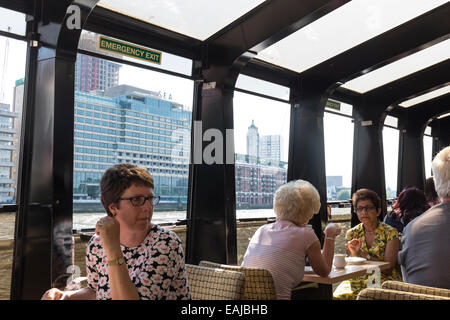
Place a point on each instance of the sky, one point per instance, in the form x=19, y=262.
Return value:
x=271, y=117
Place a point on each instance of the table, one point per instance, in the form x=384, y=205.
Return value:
x=336, y=275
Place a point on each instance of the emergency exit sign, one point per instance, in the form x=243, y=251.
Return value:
x=333, y=105
x=129, y=50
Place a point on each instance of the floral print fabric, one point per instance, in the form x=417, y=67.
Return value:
x=156, y=267
x=383, y=234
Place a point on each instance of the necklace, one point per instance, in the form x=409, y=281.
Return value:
x=369, y=232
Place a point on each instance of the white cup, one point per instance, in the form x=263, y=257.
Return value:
x=339, y=261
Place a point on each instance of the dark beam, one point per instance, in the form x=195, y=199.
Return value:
x=419, y=33
x=410, y=86
x=267, y=24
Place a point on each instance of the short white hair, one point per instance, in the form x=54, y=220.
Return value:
x=296, y=201
x=441, y=172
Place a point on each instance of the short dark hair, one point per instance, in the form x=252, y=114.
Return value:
x=366, y=194
x=120, y=177
x=411, y=202
x=430, y=190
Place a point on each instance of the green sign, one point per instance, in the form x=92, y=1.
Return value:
x=333, y=105
x=126, y=49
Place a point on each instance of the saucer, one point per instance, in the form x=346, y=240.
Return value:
x=355, y=260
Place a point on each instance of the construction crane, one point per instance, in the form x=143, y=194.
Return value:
x=5, y=65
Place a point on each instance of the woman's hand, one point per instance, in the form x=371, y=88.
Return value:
x=332, y=230
x=54, y=294
x=109, y=231
x=353, y=246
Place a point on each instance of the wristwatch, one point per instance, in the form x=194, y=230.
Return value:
x=116, y=262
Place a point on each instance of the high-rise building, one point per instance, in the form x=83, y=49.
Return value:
x=93, y=73
x=17, y=126
x=253, y=142
x=7, y=146
x=271, y=148
x=129, y=124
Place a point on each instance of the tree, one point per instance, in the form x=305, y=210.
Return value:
x=343, y=195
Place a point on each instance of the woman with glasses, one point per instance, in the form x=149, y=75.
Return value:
x=129, y=257
x=372, y=239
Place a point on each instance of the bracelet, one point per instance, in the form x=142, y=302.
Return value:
x=329, y=238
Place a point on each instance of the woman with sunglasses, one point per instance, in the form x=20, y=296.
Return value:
x=129, y=257
x=372, y=239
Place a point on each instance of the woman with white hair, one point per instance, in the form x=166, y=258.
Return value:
x=281, y=247
x=425, y=255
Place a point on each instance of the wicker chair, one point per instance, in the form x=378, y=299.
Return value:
x=214, y=284
x=386, y=294
x=414, y=288
x=259, y=284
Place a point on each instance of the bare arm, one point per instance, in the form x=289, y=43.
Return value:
x=119, y=279
x=82, y=294
x=391, y=254
x=321, y=262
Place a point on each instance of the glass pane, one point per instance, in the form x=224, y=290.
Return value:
x=427, y=154
x=390, y=146
x=196, y=18
x=401, y=68
x=344, y=28
x=12, y=72
x=391, y=121
x=262, y=87
x=425, y=97
x=90, y=41
x=147, y=123
x=338, y=135
x=12, y=21
x=261, y=137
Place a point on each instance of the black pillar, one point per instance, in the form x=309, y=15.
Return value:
x=441, y=134
x=211, y=233
x=368, y=159
x=411, y=166
x=307, y=149
x=43, y=237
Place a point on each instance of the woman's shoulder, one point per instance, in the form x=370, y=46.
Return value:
x=163, y=233
x=386, y=228
x=356, y=229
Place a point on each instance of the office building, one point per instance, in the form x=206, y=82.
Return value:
x=256, y=183
x=129, y=124
x=271, y=148
x=7, y=132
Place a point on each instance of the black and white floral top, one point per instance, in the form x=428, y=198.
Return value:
x=156, y=267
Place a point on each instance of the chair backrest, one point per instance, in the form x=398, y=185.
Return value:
x=214, y=284
x=415, y=288
x=259, y=284
x=386, y=294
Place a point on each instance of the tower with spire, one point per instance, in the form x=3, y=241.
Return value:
x=253, y=142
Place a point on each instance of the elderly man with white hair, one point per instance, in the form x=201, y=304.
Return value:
x=281, y=247
x=425, y=257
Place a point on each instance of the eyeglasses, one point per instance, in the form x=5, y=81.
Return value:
x=367, y=209
x=140, y=200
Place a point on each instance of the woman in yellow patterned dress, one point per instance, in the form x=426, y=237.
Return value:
x=371, y=239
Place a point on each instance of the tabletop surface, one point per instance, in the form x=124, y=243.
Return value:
x=338, y=275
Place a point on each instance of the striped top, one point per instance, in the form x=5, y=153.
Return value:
x=281, y=247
